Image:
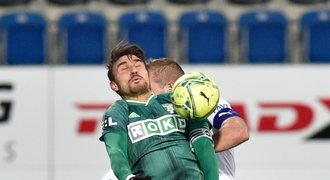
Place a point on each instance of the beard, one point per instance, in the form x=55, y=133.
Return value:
x=134, y=89
x=139, y=89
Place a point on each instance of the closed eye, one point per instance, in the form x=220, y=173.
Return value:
x=122, y=66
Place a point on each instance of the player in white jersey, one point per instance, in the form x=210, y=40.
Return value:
x=229, y=129
x=220, y=118
x=110, y=175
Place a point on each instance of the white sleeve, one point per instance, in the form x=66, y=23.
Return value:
x=110, y=175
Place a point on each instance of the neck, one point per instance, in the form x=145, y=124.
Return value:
x=141, y=97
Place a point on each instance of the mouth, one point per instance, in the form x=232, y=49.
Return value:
x=135, y=78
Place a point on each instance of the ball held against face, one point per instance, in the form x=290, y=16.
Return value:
x=195, y=96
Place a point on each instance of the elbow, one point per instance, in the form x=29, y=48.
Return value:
x=243, y=133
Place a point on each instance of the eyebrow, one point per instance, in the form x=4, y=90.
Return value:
x=137, y=60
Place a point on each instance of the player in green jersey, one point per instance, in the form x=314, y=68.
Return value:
x=229, y=128
x=144, y=136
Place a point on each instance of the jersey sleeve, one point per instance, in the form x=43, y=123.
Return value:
x=115, y=119
x=221, y=113
x=114, y=135
x=202, y=145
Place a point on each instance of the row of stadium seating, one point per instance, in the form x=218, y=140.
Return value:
x=133, y=2
x=83, y=37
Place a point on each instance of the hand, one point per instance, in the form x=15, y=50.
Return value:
x=140, y=177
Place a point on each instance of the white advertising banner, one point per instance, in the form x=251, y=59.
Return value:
x=81, y=95
x=287, y=109
x=52, y=130
x=24, y=123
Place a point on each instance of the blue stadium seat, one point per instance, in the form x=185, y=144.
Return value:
x=14, y=2
x=23, y=38
x=315, y=36
x=203, y=37
x=146, y=29
x=68, y=2
x=82, y=37
x=263, y=37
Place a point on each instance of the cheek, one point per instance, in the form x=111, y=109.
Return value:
x=123, y=78
x=145, y=74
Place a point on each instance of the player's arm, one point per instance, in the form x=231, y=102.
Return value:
x=202, y=144
x=232, y=130
x=116, y=145
x=115, y=138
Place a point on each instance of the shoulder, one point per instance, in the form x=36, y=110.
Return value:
x=117, y=106
x=117, y=111
x=115, y=117
x=164, y=97
x=223, y=103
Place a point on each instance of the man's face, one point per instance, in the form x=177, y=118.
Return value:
x=131, y=76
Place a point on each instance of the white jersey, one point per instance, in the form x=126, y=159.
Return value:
x=110, y=175
x=226, y=158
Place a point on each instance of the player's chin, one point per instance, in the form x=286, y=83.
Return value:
x=137, y=83
x=139, y=88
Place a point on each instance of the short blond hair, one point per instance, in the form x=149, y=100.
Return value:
x=164, y=70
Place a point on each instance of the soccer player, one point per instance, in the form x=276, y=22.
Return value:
x=229, y=129
x=144, y=137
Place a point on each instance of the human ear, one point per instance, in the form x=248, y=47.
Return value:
x=113, y=86
x=170, y=85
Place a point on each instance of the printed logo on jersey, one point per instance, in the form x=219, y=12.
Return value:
x=169, y=107
x=164, y=125
x=108, y=122
x=225, y=113
x=220, y=107
x=133, y=115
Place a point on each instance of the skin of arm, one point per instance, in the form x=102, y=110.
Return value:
x=232, y=132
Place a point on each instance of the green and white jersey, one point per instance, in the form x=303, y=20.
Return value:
x=157, y=141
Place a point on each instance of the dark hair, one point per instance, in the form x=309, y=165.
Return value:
x=164, y=70
x=121, y=49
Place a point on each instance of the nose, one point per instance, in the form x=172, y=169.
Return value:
x=133, y=70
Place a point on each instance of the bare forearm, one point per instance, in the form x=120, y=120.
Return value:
x=233, y=132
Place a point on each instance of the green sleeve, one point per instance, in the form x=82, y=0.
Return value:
x=116, y=145
x=202, y=144
x=207, y=158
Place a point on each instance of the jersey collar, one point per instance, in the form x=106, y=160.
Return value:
x=153, y=96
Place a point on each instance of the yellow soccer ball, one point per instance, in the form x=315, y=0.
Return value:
x=195, y=96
